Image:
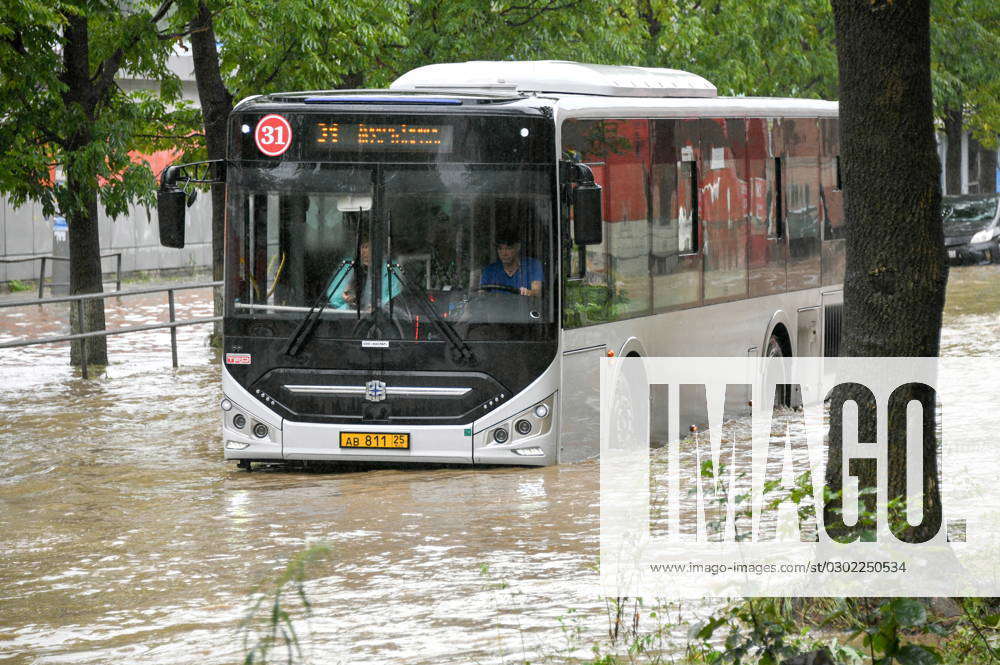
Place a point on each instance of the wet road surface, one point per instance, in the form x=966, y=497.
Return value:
x=127, y=539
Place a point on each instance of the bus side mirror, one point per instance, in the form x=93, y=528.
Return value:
x=170, y=204
x=588, y=224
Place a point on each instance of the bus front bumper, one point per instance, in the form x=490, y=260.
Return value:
x=427, y=444
x=431, y=444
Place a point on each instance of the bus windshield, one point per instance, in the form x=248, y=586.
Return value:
x=394, y=251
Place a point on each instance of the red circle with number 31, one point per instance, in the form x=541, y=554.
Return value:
x=273, y=135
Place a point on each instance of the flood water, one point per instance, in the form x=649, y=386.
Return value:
x=125, y=537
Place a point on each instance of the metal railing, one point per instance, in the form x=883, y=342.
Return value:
x=45, y=259
x=173, y=324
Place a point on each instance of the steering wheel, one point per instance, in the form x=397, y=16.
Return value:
x=502, y=288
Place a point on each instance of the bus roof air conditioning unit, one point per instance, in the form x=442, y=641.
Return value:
x=555, y=76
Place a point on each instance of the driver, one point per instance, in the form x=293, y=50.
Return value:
x=521, y=274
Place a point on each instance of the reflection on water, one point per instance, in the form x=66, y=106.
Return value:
x=127, y=539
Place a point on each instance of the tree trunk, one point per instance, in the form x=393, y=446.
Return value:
x=988, y=171
x=80, y=208
x=353, y=80
x=216, y=104
x=85, y=276
x=953, y=158
x=896, y=268
x=646, y=12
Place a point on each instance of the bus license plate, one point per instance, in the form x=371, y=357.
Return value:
x=374, y=440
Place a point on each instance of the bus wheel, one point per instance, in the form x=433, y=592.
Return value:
x=629, y=428
x=775, y=374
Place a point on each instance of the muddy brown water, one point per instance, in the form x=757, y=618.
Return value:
x=125, y=538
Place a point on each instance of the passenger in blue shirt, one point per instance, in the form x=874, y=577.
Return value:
x=513, y=270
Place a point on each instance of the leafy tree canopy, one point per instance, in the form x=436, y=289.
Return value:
x=459, y=30
x=745, y=47
x=268, y=46
x=965, y=63
x=63, y=109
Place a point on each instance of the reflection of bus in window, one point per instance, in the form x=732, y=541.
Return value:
x=401, y=281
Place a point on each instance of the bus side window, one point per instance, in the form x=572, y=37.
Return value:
x=798, y=174
x=588, y=296
x=676, y=274
x=626, y=222
x=765, y=142
x=722, y=210
x=831, y=203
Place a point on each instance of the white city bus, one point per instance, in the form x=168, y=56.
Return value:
x=430, y=273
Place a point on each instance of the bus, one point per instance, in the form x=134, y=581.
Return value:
x=430, y=272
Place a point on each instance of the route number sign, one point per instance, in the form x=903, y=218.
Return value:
x=273, y=135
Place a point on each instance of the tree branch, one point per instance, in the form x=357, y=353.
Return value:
x=189, y=28
x=538, y=11
x=16, y=42
x=813, y=81
x=278, y=66
x=167, y=136
x=107, y=70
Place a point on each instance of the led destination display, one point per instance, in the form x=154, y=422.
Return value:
x=362, y=136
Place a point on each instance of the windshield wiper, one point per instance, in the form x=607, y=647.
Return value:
x=305, y=328
x=444, y=327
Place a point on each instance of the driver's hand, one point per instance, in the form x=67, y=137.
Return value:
x=525, y=291
x=349, y=297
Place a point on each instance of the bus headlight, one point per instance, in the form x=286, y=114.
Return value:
x=532, y=422
x=226, y=405
x=239, y=421
x=260, y=430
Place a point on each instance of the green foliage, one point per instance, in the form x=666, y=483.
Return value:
x=756, y=631
x=457, y=30
x=774, y=48
x=86, y=134
x=306, y=44
x=975, y=637
x=16, y=285
x=311, y=45
x=965, y=65
x=790, y=50
x=767, y=631
x=887, y=628
x=745, y=47
x=269, y=625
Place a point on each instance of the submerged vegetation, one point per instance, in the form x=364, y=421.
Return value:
x=269, y=628
x=753, y=631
